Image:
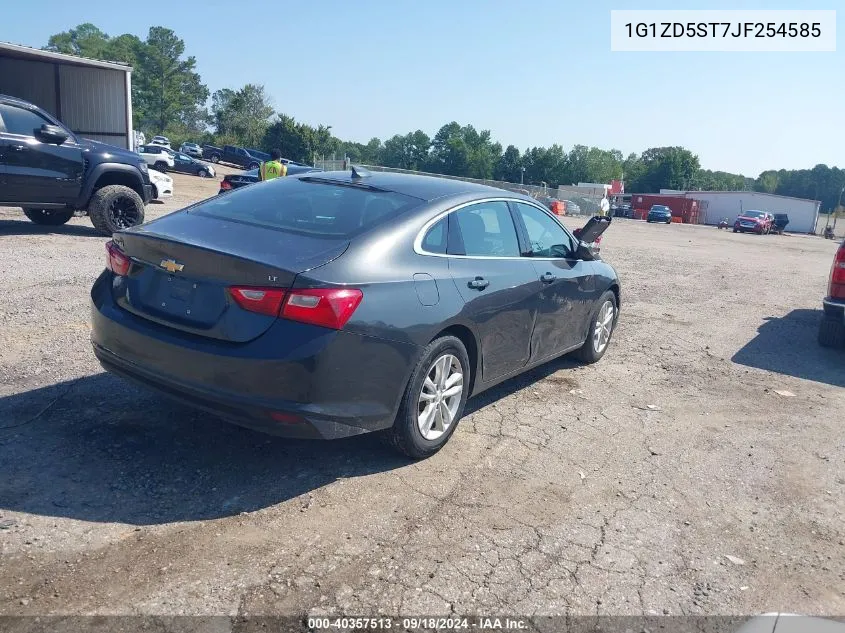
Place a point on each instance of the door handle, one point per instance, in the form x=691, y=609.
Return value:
x=547, y=278
x=479, y=283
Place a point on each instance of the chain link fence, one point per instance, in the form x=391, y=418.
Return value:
x=577, y=200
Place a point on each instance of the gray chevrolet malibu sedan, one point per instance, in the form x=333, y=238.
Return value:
x=336, y=303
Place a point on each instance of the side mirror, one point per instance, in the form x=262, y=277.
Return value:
x=51, y=134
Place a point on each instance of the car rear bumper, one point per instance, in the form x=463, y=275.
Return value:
x=294, y=380
x=834, y=308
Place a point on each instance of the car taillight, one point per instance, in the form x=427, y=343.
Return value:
x=261, y=300
x=225, y=185
x=836, y=288
x=328, y=307
x=116, y=261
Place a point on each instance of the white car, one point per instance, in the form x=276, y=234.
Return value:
x=158, y=157
x=161, y=140
x=162, y=185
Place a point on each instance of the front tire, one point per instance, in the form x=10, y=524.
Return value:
x=434, y=400
x=602, y=324
x=48, y=217
x=215, y=158
x=115, y=207
x=831, y=332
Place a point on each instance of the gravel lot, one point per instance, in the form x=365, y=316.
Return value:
x=669, y=478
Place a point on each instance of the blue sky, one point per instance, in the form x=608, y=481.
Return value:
x=534, y=73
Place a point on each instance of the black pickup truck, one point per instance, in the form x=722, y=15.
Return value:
x=53, y=175
x=232, y=155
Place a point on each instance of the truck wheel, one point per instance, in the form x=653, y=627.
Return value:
x=115, y=207
x=215, y=158
x=253, y=166
x=831, y=332
x=48, y=217
x=160, y=166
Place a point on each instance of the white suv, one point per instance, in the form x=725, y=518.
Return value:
x=157, y=157
x=161, y=140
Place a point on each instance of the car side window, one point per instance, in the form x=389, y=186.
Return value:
x=21, y=121
x=546, y=237
x=487, y=230
x=435, y=240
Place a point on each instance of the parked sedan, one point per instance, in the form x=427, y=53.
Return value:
x=191, y=149
x=187, y=165
x=659, y=213
x=332, y=304
x=234, y=181
x=759, y=222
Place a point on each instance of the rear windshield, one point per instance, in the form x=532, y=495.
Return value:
x=312, y=208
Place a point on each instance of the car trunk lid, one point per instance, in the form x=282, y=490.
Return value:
x=184, y=265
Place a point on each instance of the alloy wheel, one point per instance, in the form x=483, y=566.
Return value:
x=440, y=396
x=123, y=212
x=603, y=326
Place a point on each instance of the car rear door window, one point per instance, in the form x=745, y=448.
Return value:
x=21, y=121
x=546, y=237
x=486, y=229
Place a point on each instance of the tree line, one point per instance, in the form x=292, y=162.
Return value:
x=169, y=98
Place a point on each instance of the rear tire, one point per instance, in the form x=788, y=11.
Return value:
x=48, y=217
x=832, y=332
x=253, y=166
x=115, y=207
x=215, y=158
x=161, y=166
x=406, y=434
x=599, y=340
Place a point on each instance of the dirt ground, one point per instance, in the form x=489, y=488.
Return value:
x=670, y=478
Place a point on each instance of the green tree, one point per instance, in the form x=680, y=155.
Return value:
x=296, y=141
x=243, y=114
x=667, y=168
x=86, y=40
x=169, y=90
x=510, y=165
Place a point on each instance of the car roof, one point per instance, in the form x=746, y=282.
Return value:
x=17, y=101
x=422, y=187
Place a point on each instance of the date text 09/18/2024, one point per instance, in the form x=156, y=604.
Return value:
x=418, y=623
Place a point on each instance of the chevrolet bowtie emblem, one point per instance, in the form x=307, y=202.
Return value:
x=171, y=265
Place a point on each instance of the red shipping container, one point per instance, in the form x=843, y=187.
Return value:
x=686, y=209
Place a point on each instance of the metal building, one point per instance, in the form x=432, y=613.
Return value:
x=93, y=98
x=803, y=214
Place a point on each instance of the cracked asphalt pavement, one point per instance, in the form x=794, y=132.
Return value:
x=669, y=478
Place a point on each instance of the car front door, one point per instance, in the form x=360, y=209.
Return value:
x=498, y=286
x=568, y=288
x=35, y=171
x=183, y=163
